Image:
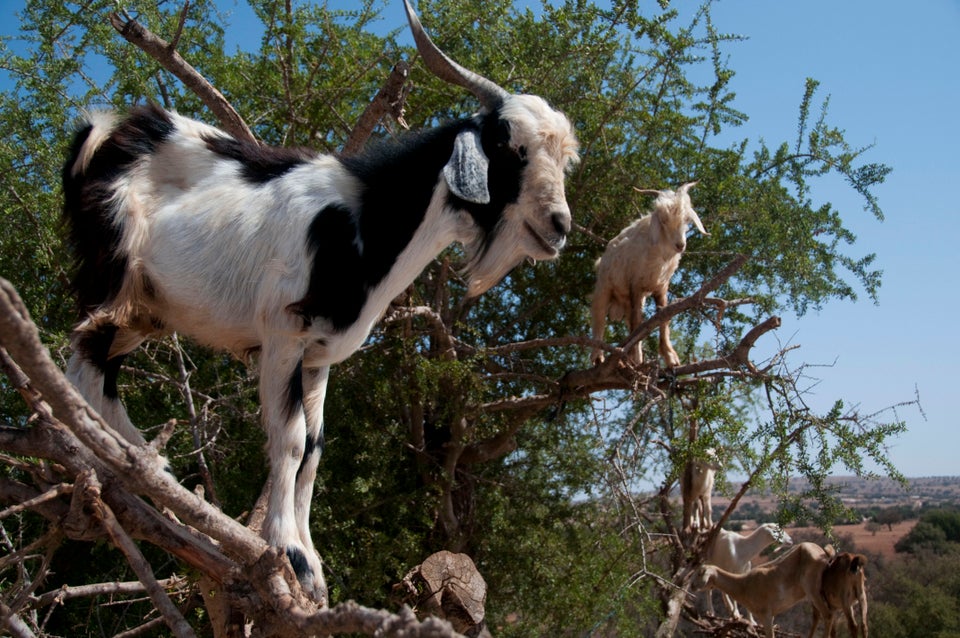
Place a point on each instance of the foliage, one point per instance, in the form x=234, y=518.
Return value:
x=918, y=595
x=938, y=530
x=555, y=518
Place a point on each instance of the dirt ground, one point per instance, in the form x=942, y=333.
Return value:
x=881, y=542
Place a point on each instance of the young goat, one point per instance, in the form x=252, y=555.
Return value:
x=177, y=226
x=639, y=262
x=734, y=553
x=696, y=490
x=774, y=587
x=843, y=586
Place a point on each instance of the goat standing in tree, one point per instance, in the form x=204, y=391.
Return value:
x=773, y=587
x=176, y=226
x=735, y=552
x=696, y=491
x=844, y=585
x=639, y=262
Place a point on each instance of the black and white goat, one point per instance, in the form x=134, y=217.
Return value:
x=176, y=226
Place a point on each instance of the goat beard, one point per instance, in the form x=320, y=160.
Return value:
x=491, y=261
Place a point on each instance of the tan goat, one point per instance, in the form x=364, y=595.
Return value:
x=639, y=262
x=843, y=586
x=696, y=489
x=774, y=587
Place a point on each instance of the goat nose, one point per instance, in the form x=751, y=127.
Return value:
x=681, y=246
x=561, y=222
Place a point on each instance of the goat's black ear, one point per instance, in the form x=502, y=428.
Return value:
x=466, y=172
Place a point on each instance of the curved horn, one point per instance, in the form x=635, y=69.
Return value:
x=489, y=93
x=648, y=191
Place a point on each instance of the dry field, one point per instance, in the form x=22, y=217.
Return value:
x=881, y=542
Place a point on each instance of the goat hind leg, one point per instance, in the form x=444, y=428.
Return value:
x=598, y=309
x=93, y=369
x=634, y=320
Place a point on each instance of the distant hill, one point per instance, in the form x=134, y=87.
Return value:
x=862, y=493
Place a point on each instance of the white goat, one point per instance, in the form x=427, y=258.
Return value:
x=735, y=552
x=843, y=586
x=696, y=490
x=639, y=262
x=773, y=587
x=177, y=226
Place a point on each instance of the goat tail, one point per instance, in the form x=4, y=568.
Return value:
x=97, y=127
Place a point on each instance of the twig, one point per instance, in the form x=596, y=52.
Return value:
x=50, y=494
x=100, y=589
x=174, y=619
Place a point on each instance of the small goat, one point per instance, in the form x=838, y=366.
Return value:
x=843, y=586
x=640, y=262
x=696, y=490
x=176, y=226
x=774, y=587
x=735, y=552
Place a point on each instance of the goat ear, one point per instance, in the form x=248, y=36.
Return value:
x=466, y=171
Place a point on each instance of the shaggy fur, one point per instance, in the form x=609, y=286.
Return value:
x=294, y=256
x=639, y=262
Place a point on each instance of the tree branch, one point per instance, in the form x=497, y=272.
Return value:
x=90, y=487
x=389, y=99
x=165, y=53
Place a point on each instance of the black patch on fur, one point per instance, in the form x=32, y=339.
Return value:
x=338, y=282
x=260, y=163
x=299, y=563
x=94, y=347
x=99, y=269
x=398, y=182
x=503, y=178
x=311, y=446
x=295, y=391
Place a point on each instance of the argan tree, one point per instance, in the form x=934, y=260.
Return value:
x=476, y=426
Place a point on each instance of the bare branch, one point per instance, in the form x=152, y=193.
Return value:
x=389, y=100
x=163, y=52
x=17, y=628
x=90, y=487
x=183, y=20
x=51, y=494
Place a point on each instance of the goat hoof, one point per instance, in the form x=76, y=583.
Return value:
x=309, y=573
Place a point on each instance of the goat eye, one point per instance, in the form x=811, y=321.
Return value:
x=522, y=152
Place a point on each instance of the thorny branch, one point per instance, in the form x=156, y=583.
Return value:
x=66, y=431
x=166, y=54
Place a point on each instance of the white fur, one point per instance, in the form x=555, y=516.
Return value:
x=220, y=259
x=734, y=552
x=640, y=262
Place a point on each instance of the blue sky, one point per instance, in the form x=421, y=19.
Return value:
x=891, y=71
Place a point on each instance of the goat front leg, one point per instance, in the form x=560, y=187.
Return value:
x=282, y=404
x=598, y=309
x=634, y=320
x=670, y=356
x=314, y=393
